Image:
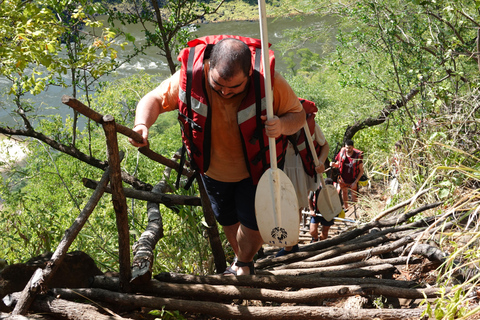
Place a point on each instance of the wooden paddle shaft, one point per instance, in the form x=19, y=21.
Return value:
x=315, y=160
x=268, y=83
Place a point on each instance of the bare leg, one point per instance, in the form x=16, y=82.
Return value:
x=324, y=232
x=231, y=234
x=344, y=191
x=249, y=242
x=354, y=194
x=314, y=230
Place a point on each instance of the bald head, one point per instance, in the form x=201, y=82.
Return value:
x=230, y=56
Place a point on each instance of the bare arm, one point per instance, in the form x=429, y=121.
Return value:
x=148, y=109
x=322, y=158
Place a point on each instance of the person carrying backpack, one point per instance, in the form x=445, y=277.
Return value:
x=350, y=163
x=299, y=164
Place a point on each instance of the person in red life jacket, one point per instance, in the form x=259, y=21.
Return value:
x=219, y=94
x=350, y=163
x=300, y=166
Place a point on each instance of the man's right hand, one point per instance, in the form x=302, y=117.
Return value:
x=143, y=131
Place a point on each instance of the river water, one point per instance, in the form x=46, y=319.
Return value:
x=49, y=102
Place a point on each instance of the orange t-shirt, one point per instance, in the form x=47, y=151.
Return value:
x=227, y=160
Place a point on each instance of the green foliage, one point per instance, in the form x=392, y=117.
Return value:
x=29, y=37
x=447, y=307
x=166, y=314
x=39, y=59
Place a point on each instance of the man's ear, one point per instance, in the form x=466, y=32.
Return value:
x=250, y=72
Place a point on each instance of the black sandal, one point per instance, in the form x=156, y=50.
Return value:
x=246, y=264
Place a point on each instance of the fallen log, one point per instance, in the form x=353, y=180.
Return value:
x=200, y=292
x=336, y=251
x=264, y=281
x=246, y=312
x=226, y=293
x=368, y=271
x=320, y=261
x=353, y=265
x=430, y=252
x=143, y=258
x=143, y=248
x=354, y=236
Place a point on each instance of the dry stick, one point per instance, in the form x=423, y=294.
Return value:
x=152, y=196
x=119, y=202
x=212, y=230
x=97, y=117
x=401, y=205
x=41, y=278
x=224, y=311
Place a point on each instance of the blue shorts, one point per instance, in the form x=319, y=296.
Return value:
x=322, y=221
x=232, y=202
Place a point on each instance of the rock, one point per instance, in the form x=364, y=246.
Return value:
x=76, y=271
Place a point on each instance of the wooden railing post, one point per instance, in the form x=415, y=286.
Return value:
x=119, y=201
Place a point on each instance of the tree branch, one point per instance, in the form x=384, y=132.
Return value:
x=381, y=118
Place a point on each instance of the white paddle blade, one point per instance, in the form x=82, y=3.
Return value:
x=329, y=212
x=276, y=209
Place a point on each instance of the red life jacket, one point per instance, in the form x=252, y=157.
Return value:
x=194, y=110
x=356, y=158
x=301, y=144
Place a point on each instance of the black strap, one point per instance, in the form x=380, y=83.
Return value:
x=189, y=182
x=192, y=124
x=294, y=143
x=258, y=134
x=180, y=166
